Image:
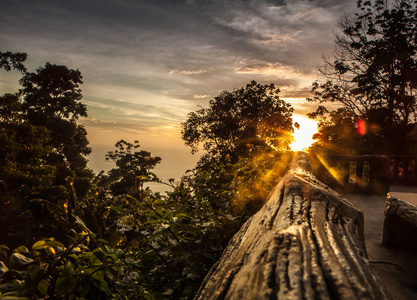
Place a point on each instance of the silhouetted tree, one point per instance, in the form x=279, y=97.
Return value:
x=132, y=168
x=248, y=120
x=42, y=148
x=24, y=172
x=10, y=60
x=51, y=98
x=373, y=73
x=244, y=133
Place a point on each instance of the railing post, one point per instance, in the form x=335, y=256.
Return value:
x=359, y=173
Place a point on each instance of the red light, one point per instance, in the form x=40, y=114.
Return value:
x=361, y=127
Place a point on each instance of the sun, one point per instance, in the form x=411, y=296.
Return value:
x=303, y=136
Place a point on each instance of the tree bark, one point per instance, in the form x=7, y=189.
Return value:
x=307, y=242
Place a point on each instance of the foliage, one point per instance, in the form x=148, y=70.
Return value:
x=161, y=246
x=42, y=147
x=244, y=134
x=247, y=120
x=338, y=134
x=51, y=98
x=132, y=168
x=24, y=171
x=180, y=237
x=10, y=60
x=53, y=93
x=51, y=270
x=372, y=74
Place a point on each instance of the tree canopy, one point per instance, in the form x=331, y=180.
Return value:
x=13, y=61
x=52, y=99
x=372, y=74
x=132, y=167
x=43, y=149
x=53, y=92
x=247, y=120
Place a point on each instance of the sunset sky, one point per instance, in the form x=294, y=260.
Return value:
x=146, y=64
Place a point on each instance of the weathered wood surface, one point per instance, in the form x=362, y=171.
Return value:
x=400, y=225
x=307, y=242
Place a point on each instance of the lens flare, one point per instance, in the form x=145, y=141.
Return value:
x=361, y=127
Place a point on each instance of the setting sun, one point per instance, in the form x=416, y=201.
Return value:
x=303, y=136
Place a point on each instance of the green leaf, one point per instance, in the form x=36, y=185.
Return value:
x=3, y=251
x=154, y=177
x=50, y=250
x=144, y=178
x=39, y=245
x=42, y=287
x=168, y=292
x=99, y=253
x=55, y=244
x=114, y=235
x=18, y=260
x=63, y=285
x=68, y=269
x=3, y=268
x=117, y=208
x=11, y=296
x=183, y=216
x=81, y=223
x=22, y=249
x=83, y=288
x=102, y=241
x=199, y=195
x=98, y=280
x=86, y=255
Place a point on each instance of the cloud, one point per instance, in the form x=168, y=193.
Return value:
x=275, y=69
x=187, y=72
x=277, y=39
x=201, y=96
x=146, y=64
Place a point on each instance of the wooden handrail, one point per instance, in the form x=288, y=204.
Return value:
x=366, y=173
x=307, y=242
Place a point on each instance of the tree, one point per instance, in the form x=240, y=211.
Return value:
x=244, y=133
x=42, y=147
x=53, y=92
x=10, y=60
x=132, y=168
x=373, y=72
x=338, y=134
x=247, y=120
x=24, y=172
x=52, y=98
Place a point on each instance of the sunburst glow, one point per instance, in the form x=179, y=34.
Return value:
x=303, y=135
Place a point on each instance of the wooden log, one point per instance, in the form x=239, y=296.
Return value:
x=307, y=242
x=400, y=225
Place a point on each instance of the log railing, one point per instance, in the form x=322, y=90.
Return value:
x=307, y=242
x=366, y=173
x=355, y=173
x=402, y=169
